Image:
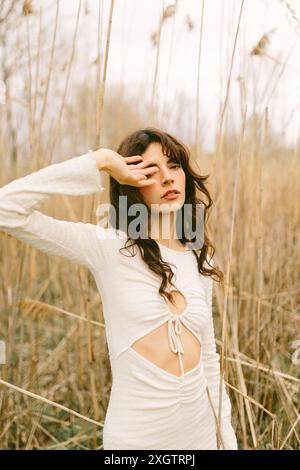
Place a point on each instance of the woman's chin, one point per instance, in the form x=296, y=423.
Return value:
x=167, y=207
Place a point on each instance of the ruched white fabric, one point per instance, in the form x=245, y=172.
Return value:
x=149, y=408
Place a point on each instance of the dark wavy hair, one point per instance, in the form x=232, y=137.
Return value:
x=136, y=143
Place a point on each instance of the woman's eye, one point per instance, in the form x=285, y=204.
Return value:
x=175, y=166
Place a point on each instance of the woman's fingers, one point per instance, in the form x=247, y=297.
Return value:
x=146, y=171
x=134, y=158
x=141, y=164
x=146, y=182
x=141, y=180
x=145, y=163
x=140, y=171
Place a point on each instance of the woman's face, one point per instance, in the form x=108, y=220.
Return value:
x=170, y=175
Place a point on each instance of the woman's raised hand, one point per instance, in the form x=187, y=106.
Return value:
x=125, y=169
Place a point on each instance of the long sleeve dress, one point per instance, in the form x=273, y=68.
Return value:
x=149, y=407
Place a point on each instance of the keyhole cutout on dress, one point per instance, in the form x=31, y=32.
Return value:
x=156, y=348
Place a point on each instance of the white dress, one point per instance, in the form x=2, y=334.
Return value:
x=149, y=407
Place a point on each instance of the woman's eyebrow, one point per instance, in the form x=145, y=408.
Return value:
x=170, y=160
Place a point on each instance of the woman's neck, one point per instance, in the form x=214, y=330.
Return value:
x=163, y=230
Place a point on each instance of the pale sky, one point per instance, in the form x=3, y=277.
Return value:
x=132, y=55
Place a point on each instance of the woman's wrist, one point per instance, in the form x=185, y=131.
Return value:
x=102, y=159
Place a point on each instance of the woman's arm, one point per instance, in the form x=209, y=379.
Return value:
x=76, y=241
x=77, y=176
x=211, y=362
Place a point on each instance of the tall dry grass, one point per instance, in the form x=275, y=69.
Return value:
x=55, y=385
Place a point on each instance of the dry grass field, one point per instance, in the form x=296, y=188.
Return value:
x=56, y=378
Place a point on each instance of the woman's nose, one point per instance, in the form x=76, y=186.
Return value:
x=166, y=176
x=168, y=179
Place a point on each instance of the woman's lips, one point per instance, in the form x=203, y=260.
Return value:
x=171, y=196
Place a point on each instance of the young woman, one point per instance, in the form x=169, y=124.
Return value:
x=156, y=294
